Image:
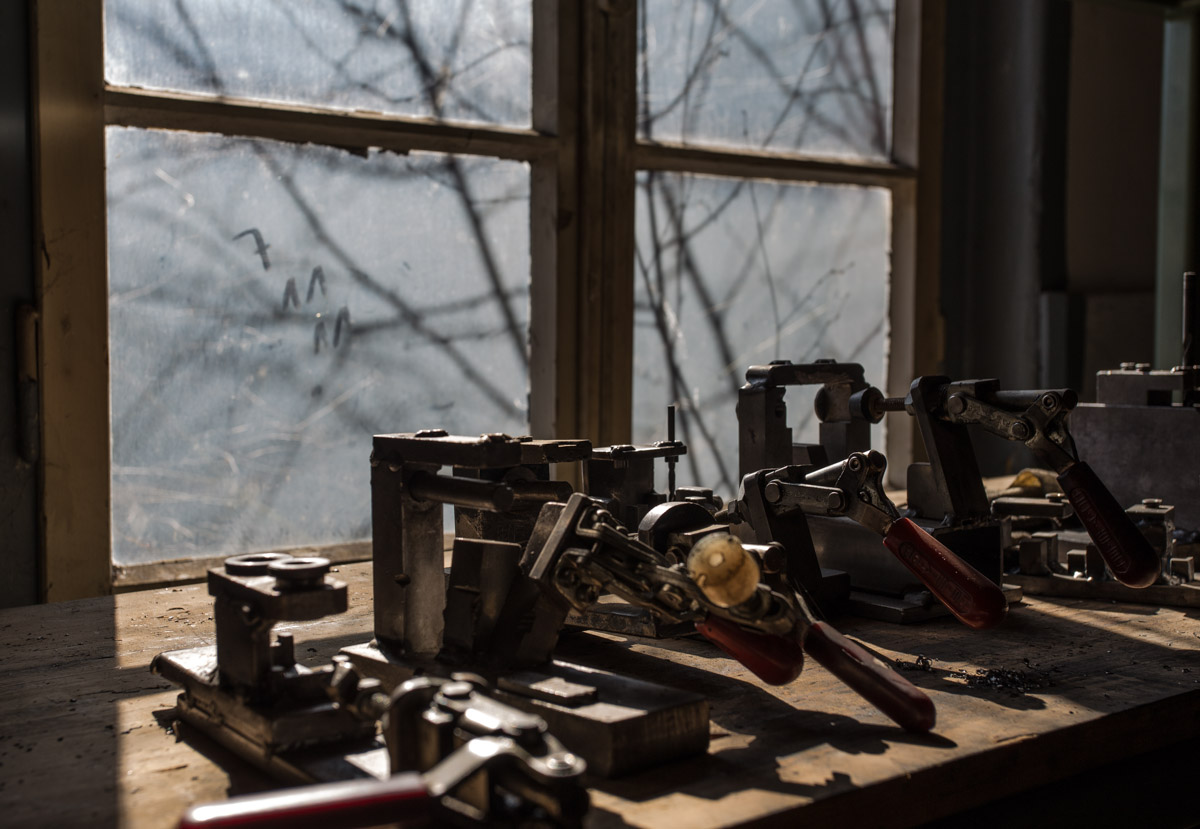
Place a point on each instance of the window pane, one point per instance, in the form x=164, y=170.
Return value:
x=466, y=60
x=813, y=76
x=389, y=293
x=733, y=273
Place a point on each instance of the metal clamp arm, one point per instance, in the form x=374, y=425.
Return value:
x=1035, y=418
x=965, y=592
x=1042, y=426
x=720, y=590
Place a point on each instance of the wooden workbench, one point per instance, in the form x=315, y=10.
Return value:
x=86, y=734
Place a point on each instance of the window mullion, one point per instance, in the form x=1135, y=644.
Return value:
x=300, y=124
x=73, y=299
x=607, y=172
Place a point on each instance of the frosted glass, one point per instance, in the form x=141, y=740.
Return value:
x=391, y=294
x=733, y=273
x=466, y=60
x=813, y=76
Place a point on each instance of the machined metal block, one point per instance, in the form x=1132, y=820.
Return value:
x=618, y=724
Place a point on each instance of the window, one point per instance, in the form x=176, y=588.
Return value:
x=315, y=222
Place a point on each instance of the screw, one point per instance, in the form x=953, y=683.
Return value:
x=456, y=690
x=1153, y=503
x=772, y=492
x=1049, y=401
x=557, y=763
x=956, y=405
x=1055, y=497
x=1020, y=430
x=833, y=501
x=430, y=433
x=855, y=463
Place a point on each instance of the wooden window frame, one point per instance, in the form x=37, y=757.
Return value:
x=584, y=156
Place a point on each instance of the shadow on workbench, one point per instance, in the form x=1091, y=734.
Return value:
x=1150, y=790
x=1081, y=655
x=59, y=710
x=751, y=725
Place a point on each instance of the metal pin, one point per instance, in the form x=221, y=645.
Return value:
x=671, y=460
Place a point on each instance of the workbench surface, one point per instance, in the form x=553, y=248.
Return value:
x=87, y=737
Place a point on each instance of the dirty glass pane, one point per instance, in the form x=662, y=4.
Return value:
x=732, y=273
x=465, y=60
x=272, y=307
x=813, y=76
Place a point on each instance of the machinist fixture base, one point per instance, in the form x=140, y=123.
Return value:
x=618, y=724
x=301, y=739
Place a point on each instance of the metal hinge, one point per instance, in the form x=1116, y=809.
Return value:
x=28, y=428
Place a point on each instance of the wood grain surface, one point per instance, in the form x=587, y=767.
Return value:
x=87, y=736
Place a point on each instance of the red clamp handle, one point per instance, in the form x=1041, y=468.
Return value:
x=1125, y=550
x=906, y=704
x=345, y=804
x=968, y=594
x=776, y=660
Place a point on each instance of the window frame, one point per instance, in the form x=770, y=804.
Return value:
x=584, y=156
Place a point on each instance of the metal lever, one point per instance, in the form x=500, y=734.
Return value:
x=440, y=735
x=968, y=594
x=878, y=684
x=1038, y=419
x=722, y=594
x=341, y=805
x=854, y=488
x=775, y=659
x=1124, y=549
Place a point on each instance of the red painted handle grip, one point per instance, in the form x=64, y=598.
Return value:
x=776, y=660
x=878, y=684
x=350, y=803
x=1126, y=551
x=967, y=593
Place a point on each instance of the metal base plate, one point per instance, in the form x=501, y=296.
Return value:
x=303, y=742
x=617, y=723
x=615, y=616
x=904, y=612
x=1171, y=595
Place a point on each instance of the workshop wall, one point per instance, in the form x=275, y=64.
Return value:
x=1114, y=102
x=18, y=527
